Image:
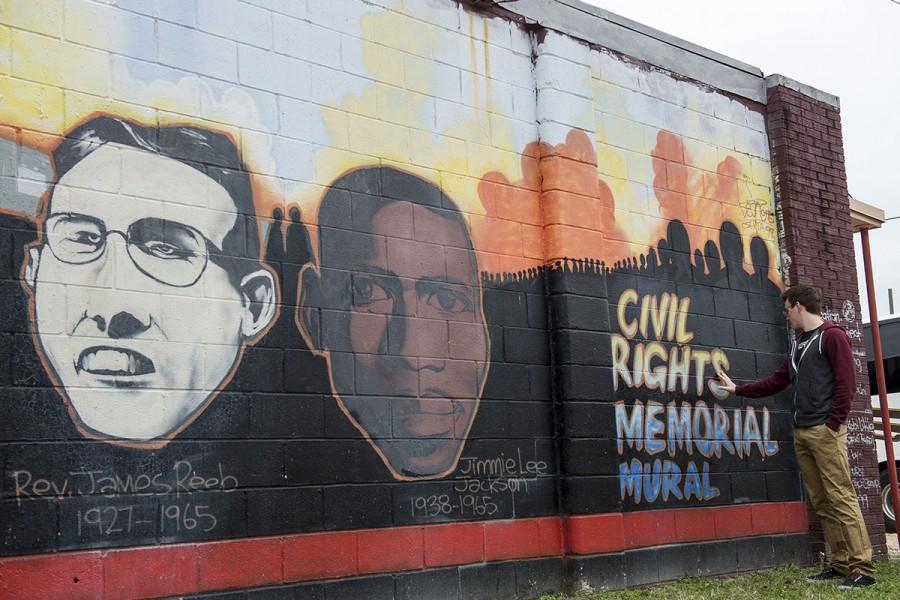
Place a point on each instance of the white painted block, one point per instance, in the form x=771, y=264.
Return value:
x=193, y=50
x=274, y=72
x=566, y=47
x=132, y=80
x=434, y=79
x=494, y=95
x=292, y=8
x=443, y=13
x=111, y=29
x=508, y=66
x=344, y=16
x=249, y=107
x=751, y=141
x=336, y=88
x=568, y=109
x=524, y=103
x=236, y=20
x=455, y=49
x=615, y=70
x=561, y=74
x=307, y=41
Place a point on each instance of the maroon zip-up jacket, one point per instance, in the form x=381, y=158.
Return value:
x=823, y=379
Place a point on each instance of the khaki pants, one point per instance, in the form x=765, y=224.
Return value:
x=822, y=456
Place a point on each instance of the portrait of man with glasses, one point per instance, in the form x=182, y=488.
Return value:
x=145, y=284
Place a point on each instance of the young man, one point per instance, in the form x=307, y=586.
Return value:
x=395, y=306
x=820, y=367
x=146, y=284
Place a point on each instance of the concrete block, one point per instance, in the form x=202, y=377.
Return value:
x=611, y=161
x=639, y=167
x=431, y=149
x=386, y=31
x=303, y=121
x=193, y=50
x=756, y=120
x=623, y=133
x=52, y=62
x=751, y=141
x=372, y=61
x=264, y=111
x=108, y=28
x=340, y=16
x=503, y=132
x=5, y=53
x=49, y=121
x=293, y=158
x=700, y=100
x=274, y=72
x=525, y=103
x=565, y=108
x=307, y=41
x=234, y=20
x=377, y=138
x=443, y=14
x=292, y=8
x=455, y=48
x=609, y=98
x=508, y=66
x=482, y=92
x=23, y=14
x=743, y=159
x=183, y=12
x=729, y=110
x=664, y=87
x=552, y=132
x=761, y=172
x=434, y=79
x=130, y=79
x=700, y=155
x=493, y=30
x=397, y=105
x=642, y=108
x=565, y=47
x=614, y=70
x=462, y=121
x=560, y=74
x=330, y=86
x=716, y=131
x=521, y=42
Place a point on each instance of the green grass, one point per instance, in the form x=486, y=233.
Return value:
x=784, y=582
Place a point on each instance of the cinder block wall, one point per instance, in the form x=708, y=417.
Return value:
x=389, y=299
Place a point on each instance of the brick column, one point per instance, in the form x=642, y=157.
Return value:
x=816, y=240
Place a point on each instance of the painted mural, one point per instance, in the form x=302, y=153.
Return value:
x=393, y=262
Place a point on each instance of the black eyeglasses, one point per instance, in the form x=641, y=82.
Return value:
x=785, y=311
x=169, y=252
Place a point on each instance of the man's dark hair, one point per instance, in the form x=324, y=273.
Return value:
x=349, y=205
x=383, y=186
x=806, y=295
x=370, y=189
x=211, y=153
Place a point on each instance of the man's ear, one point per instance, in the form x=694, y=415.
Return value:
x=31, y=267
x=258, y=292
x=310, y=298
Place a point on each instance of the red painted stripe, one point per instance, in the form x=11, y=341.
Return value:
x=181, y=569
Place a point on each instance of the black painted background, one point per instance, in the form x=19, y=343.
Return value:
x=301, y=466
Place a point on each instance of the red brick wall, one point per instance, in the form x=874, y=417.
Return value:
x=816, y=240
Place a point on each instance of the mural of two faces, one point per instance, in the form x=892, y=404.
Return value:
x=200, y=345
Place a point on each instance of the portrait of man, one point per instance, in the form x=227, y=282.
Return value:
x=145, y=284
x=395, y=306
